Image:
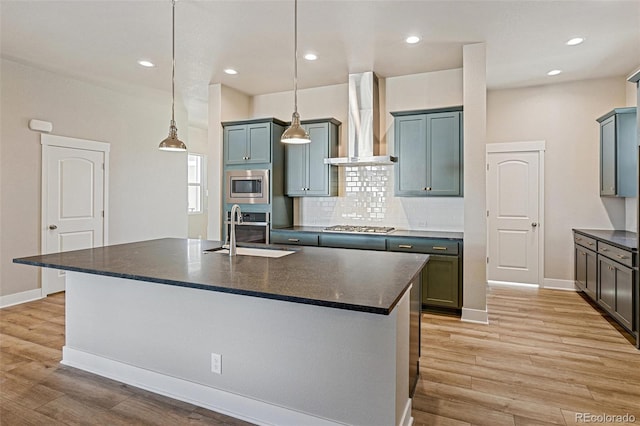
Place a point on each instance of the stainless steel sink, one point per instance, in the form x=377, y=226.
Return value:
x=253, y=251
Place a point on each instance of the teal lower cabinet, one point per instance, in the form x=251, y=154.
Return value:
x=616, y=291
x=605, y=272
x=441, y=282
x=295, y=238
x=362, y=242
x=442, y=277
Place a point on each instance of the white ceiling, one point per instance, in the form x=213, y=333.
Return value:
x=102, y=40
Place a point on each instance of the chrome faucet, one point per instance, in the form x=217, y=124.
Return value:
x=235, y=210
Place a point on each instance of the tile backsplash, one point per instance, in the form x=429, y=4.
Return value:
x=366, y=198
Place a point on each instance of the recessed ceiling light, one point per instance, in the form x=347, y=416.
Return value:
x=311, y=57
x=145, y=63
x=412, y=39
x=231, y=71
x=574, y=41
x=554, y=72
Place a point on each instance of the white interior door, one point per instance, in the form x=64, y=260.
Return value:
x=73, y=201
x=514, y=229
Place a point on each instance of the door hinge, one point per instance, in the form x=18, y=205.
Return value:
x=487, y=260
x=102, y=166
x=102, y=213
x=487, y=166
x=487, y=213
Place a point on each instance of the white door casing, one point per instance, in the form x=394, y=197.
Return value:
x=515, y=236
x=74, y=199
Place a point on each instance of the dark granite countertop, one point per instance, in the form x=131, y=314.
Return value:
x=358, y=280
x=443, y=235
x=623, y=239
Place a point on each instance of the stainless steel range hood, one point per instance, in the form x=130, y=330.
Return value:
x=363, y=124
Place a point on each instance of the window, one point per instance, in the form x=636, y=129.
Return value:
x=195, y=182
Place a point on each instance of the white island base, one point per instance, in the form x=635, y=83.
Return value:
x=282, y=363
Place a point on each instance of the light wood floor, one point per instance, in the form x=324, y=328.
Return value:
x=545, y=356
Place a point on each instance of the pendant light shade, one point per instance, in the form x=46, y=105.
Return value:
x=172, y=143
x=295, y=134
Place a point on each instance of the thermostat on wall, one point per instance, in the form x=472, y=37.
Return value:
x=40, y=126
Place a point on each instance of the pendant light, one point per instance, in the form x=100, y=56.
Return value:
x=295, y=134
x=172, y=143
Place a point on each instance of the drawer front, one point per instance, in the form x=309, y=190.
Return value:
x=364, y=242
x=615, y=253
x=294, y=238
x=423, y=245
x=585, y=241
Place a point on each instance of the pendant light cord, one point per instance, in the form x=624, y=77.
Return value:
x=295, y=56
x=173, y=61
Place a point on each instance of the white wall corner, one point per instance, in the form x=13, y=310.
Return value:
x=555, y=284
x=22, y=297
x=475, y=315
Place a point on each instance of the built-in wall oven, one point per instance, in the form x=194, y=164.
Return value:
x=253, y=229
x=247, y=186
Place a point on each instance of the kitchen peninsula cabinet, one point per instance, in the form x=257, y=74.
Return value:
x=251, y=141
x=618, y=153
x=357, y=341
x=604, y=270
x=429, y=146
x=306, y=173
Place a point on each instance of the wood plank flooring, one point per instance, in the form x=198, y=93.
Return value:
x=545, y=356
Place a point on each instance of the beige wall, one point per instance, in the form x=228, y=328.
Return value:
x=225, y=104
x=564, y=115
x=475, y=219
x=147, y=196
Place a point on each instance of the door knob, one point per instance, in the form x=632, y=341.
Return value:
x=52, y=227
x=534, y=224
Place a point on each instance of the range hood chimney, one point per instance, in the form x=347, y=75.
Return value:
x=363, y=125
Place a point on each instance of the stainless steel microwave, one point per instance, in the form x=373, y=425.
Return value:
x=247, y=186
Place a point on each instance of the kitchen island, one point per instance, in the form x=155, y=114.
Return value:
x=317, y=337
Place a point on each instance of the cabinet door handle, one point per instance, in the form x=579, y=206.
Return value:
x=621, y=256
x=583, y=253
x=407, y=246
x=52, y=227
x=293, y=240
x=611, y=268
x=578, y=239
x=426, y=188
x=439, y=248
x=534, y=224
x=604, y=249
x=591, y=244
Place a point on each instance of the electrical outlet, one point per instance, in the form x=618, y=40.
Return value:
x=216, y=363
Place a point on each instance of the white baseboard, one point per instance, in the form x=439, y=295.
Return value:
x=22, y=297
x=554, y=284
x=475, y=315
x=510, y=284
x=227, y=403
x=407, y=419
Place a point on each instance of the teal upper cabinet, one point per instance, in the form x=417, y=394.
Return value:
x=428, y=145
x=306, y=173
x=250, y=142
x=618, y=153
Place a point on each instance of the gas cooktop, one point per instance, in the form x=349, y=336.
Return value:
x=359, y=229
